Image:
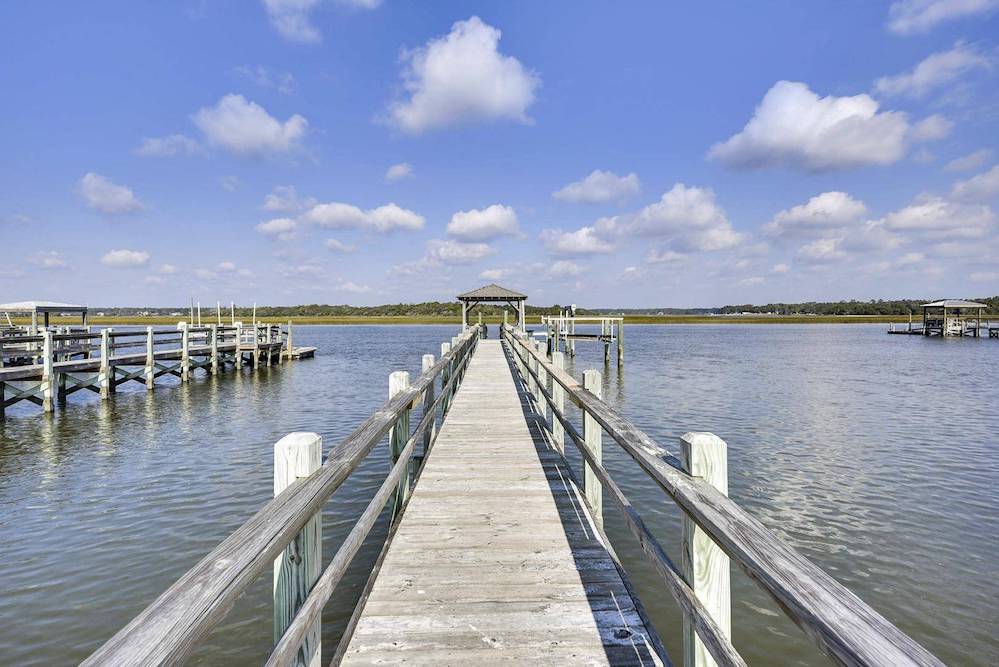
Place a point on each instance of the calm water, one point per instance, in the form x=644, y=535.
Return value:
x=874, y=455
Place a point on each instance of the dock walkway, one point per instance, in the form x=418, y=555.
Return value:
x=496, y=558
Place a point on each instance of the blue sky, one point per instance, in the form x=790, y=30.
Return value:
x=609, y=154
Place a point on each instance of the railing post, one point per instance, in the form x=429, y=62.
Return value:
x=558, y=396
x=214, y=333
x=705, y=565
x=48, y=379
x=532, y=365
x=593, y=436
x=105, y=374
x=297, y=568
x=620, y=341
x=428, y=400
x=150, y=369
x=541, y=385
x=291, y=348
x=185, y=352
x=398, y=435
x=445, y=377
x=238, y=353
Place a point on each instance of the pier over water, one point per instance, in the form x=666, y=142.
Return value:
x=496, y=551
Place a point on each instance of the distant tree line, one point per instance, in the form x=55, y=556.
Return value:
x=453, y=309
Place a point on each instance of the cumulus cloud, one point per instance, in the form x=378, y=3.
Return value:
x=101, y=194
x=245, y=128
x=124, y=259
x=822, y=250
x=285, y=198
x=292, y=19
x=230, y=183
x=387, y=218
x=829, y=210
x=600, y=186
x=938, y=218
x=175, y=144
x=457, y=252
x=338, y=246
x=792, y=126
x=49, y=260
x=352, y=287
x=935, y=71
x=397, y=172
x=494, y=274
x=664, y=256
x=982, y=187
x=564, y=269
x=688, y=217
x=970, y=162
x=907, y=17
x=931, y=128
x=167, y=269
x=460, y=78
x=282, y=229
x=583, y=241
x=484, y=224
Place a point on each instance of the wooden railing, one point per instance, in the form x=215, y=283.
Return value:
x=285, y=532
x=715, y=530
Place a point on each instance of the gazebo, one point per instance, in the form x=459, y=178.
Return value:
x=491, y=294
x=43, y=308
x=950, y=317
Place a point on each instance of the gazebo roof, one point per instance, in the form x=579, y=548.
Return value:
x=41, y=307
x=954, y=303
x=493, y=291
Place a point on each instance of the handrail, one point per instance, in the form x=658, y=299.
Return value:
x=843, y=626
x=707, y=629
x=286, y=650
x=168, y=630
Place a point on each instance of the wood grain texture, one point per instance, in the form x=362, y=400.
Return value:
x=705, y=565
x=296, y=569
x=496, y=558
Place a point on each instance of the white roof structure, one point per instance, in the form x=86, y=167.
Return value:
x=954, y=303
x=41, y=307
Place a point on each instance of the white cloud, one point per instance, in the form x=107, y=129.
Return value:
x=285, y=198
x=230, y=183
x=457, y=252
x=793, y=126
x=600, y=186
x=822, y=251
x=167, y=269
x=935, y=71
x=175, y=144
x=460, y=78
x=660, y=256
x=494, y=274
x=564, y=269
x=752, y=281
x=282, y=229
x=583, y=241
x=780, y=268
x=484, y=224
x=283, y=82
x=154, y=280
x=688, y=217
x=125, y=258
x=243, y=127
x=227, y=267
x=338, y=246
x=291, y=18
x=385, y=218
x=397, y=172
x=937, y=218
x=829, y=210
x=970, y=162
x=981, y=187
x=352, y=287
x=931, y=128
x=104, y=196
x=49, y=260
x=914, y=16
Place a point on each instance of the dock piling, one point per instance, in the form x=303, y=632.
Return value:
x=47, y=372
x=105, y=373
x=150, y=368
x=705, y=565
x=297, y=568
x=213, y=331
x=185, y=352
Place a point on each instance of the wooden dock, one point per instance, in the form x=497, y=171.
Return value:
x=497, y=558
x=495, y=552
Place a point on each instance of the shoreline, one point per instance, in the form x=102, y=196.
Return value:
x=531, y=320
